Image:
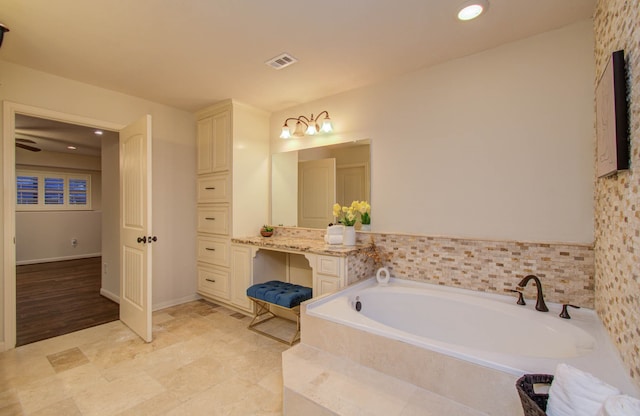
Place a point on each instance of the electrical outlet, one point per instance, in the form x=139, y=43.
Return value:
x=105, y=268
x=74, y=242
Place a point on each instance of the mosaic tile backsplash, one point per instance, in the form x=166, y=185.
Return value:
x=566, y=270
x=617, y=198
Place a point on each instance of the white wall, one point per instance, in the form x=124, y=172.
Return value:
x=174, y=155
x=43, y=236
x=497, y=145
x=110, y=165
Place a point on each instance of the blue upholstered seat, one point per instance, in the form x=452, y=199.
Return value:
x=279, y=293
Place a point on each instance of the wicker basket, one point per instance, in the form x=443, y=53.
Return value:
x=533, y=404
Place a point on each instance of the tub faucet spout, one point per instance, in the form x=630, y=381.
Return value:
x=540, y=305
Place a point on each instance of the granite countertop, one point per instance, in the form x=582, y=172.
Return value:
x=304, y=245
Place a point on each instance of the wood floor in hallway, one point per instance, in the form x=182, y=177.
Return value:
x=60, y=297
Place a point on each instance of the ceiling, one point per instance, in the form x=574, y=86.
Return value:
x=55, y=136
x=191, y=53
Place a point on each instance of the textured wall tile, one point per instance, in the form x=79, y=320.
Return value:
x=617, y=198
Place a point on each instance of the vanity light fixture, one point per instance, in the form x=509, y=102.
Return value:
x=472, y=9
x=307, y=126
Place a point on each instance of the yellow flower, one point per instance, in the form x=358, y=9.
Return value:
x=348, y=215
x=336, y=210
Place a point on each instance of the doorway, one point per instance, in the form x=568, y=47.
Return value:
x=59, y=211
x=10, y=112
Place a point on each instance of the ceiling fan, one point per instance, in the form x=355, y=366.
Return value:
x=26, y=145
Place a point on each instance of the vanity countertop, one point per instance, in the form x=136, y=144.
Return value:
x=304, y=245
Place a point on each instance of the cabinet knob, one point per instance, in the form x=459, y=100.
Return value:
x=210, y=249
x=210, y=218
x=210, y=280
x=210, y=188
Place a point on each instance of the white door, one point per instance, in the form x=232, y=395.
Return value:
x=316, y=192
x=135, y=227
x=351, y=184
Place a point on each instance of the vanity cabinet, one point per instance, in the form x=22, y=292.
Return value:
x=330, y=274
x=304, y=262
x=232, y=196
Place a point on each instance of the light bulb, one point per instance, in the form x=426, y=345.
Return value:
x=299, y=129
x=472, y=9
x=311, y=129
x=326, y=125
x=286, y=132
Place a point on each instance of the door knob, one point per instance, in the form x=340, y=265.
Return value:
x=153, y=239
x=142, y=240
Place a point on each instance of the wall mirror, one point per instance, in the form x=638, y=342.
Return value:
x=306, y=183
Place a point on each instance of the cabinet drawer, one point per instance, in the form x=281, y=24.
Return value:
x=213, y=220
x=329, y=265
x=213, y=250
x=213, y=281
x=214, y=188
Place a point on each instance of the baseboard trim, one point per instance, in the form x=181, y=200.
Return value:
x=174, y=302
x=52, y=259
x=110, y=296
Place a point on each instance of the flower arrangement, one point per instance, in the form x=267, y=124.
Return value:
x=348, y=215
x=365, y=211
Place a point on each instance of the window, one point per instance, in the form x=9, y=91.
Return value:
x=38, y=191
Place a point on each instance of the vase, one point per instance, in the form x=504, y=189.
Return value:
x=349, y=236
x=365, y=227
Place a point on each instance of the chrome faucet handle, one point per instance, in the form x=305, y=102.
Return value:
x=565, y=314
x=520, y=296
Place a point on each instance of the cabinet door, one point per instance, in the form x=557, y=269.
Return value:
x=214, y=137
x=205, y=145
x=221, y=139
x=241, y=276
x=325, y=284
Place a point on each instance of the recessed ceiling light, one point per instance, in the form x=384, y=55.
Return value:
x=71, y=147
x=472, y=9
x=98, y=132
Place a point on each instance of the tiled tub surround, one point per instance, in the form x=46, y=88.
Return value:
x=349, y=364
x=617, y=198
x=566, y=270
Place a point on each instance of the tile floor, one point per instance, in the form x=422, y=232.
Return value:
x=203, y=361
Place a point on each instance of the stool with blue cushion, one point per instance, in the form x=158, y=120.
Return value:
x=281, y=294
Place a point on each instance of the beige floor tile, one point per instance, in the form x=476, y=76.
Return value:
x=41, y=394
x=117, y=396
x=203, y=361
x=10, y=403
x=65, y=407
x=157, y=405
x=67, y=359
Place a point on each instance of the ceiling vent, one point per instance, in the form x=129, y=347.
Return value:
x=281, y=61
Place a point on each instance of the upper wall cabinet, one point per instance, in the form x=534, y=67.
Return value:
x=214, y=133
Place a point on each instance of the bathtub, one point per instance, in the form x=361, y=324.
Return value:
x=486, y=330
